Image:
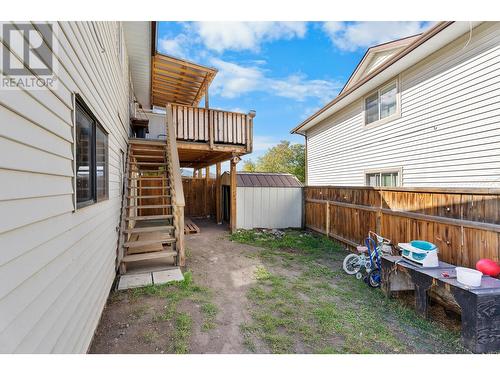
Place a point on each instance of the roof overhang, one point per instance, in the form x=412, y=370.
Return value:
x=139, y=39
x=429, y=42
x=390, y=47
x=179, y=81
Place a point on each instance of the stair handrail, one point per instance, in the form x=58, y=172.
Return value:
x=177, y=190
x=123, y=213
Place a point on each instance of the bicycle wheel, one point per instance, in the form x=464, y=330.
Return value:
x=351, y=264
x=374, y=278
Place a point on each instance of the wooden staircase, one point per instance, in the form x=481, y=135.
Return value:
x=151, y=228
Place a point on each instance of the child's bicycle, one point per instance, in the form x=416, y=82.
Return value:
x=368, y=257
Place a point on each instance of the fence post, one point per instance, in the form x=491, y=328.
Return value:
x=378, y=218
x=327, y=225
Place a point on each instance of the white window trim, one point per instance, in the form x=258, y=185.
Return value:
x=398, y=170
x=392, y=117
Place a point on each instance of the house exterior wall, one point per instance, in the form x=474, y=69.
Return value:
x=268, y=207
x=156, y=126
x=57, y=264
x=447, y=135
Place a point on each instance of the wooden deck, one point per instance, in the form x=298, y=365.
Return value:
x=207, y=136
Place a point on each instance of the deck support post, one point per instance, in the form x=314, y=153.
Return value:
x=233, y=185
x=218, y=192
x=205, y=192
x=210, y=122
x=249, y=132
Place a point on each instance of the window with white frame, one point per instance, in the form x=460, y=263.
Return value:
x=382, y=103
x=383, y=178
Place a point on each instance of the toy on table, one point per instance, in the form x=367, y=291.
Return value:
x=488, y=267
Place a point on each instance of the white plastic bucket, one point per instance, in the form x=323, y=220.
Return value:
x=468, y=276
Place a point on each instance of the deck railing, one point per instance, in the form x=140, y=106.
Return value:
x=176, y=189
x=211, y=126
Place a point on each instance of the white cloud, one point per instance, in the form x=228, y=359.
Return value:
x=351, y=36
x=234, y=80
x=264, y=142
x=220, y=36
x=177, y=46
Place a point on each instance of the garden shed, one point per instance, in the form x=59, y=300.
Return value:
x=264, y=200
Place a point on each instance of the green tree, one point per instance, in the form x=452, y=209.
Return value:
x=284, y=158
x=249, y=166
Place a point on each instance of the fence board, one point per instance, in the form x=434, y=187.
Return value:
x=199, y=204
x=463, y=223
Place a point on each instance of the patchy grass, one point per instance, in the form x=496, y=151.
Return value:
x=174, y=294
x=304, y=302
x=182, y=333
x=149, y=337
x=209, y=311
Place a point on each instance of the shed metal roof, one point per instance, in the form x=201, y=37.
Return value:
x=266, y=179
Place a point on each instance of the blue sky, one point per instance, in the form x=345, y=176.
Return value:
x=284, y=70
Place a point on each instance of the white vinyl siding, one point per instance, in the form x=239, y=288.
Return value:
x=57, y=265
x=268, y=207
x=447, y=135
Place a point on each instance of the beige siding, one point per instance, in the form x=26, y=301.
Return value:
x=448, y=133
x=57, y=264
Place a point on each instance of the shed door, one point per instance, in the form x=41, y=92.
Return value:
x=226, y=203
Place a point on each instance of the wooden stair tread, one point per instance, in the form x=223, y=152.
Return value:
x=155, y=241
x=150, y=206
x=149, y=178
x=149, y=196
x=148, y=187
x=144, y=156
x=149, y=217
x=147, y=256
x=148, y=162
x=162, y=171
x=157, y=150
x=157, y=228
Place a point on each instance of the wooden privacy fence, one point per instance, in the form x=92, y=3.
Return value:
x=211, y=125
x=199, y=194
x=463, y=223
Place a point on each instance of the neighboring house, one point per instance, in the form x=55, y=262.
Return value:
x=74, y=198
x=420, y=111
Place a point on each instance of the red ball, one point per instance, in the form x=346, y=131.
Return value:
x=488, y=267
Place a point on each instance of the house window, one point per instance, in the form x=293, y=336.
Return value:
x=91, y=158
x=382, y=104
x=384, y=178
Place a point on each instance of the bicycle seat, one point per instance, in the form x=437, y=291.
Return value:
x=362, y=249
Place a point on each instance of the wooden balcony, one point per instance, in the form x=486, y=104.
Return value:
x=207, y=136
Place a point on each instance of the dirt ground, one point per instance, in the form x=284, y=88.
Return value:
x=240, y=298
x=127, y=324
